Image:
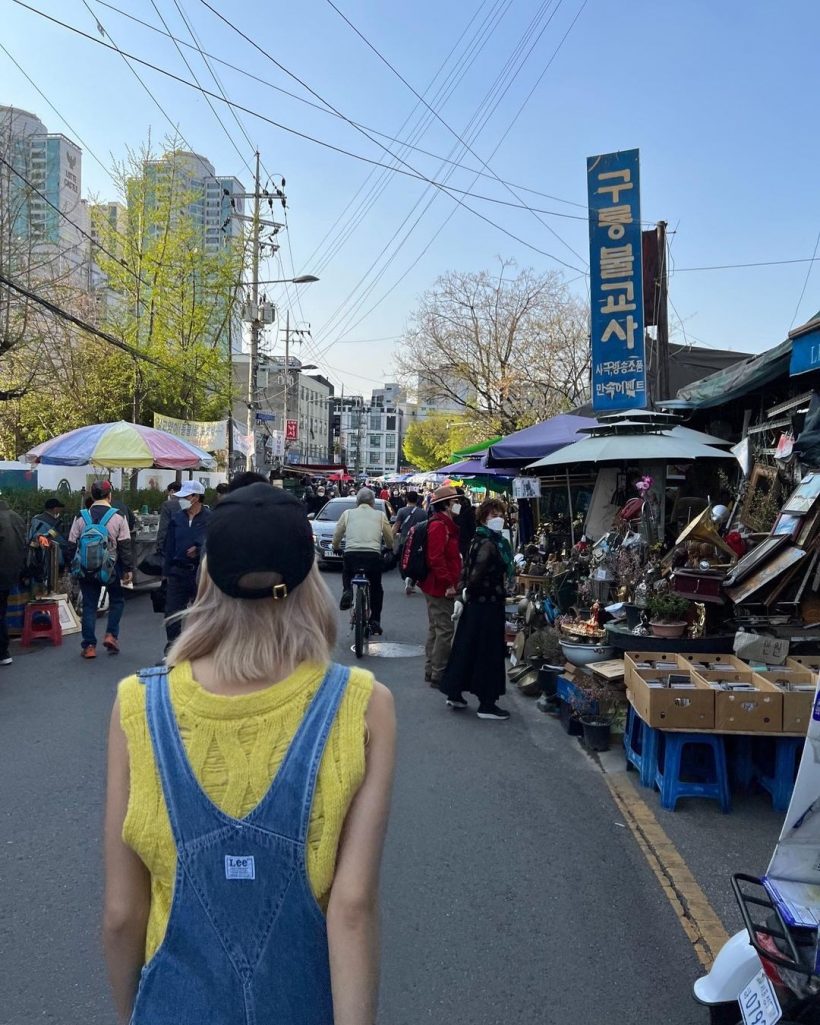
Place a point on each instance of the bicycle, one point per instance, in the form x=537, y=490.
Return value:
x=360, y=614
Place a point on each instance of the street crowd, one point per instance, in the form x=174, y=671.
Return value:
x=218, y=788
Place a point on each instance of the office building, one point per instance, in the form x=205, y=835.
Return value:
x=368, y=434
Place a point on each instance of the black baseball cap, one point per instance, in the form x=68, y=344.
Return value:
x=54, y=503
x=259, y=529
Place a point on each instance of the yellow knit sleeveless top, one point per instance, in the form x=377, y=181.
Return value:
x=235, y=746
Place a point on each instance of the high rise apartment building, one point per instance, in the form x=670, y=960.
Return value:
x=41, y=197
x=211, y=200
x=368, y=434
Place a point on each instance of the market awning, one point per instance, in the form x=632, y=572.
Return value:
x=520, y=448
x=481, y=446
x=736, y=381
x=472, y=467
x=615, y=449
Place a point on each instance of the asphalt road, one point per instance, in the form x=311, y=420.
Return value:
x=512, y=892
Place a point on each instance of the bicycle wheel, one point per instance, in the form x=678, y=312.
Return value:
x=359, y=612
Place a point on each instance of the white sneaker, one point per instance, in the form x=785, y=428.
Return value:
x=409, y=586
x=7, y=661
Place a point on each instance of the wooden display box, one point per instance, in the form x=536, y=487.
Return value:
x=671, y=708
x=692, y=659
x=811, y=663
x=797, y=704
x=756, y=711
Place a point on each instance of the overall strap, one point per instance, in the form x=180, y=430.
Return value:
x=190, y=811
x=286, y=806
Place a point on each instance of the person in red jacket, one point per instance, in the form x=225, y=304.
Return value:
x=439, y=586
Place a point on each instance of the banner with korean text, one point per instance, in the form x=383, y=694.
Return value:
x=210, y=435
x=616, y=282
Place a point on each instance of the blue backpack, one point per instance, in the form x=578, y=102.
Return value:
x=95, y=559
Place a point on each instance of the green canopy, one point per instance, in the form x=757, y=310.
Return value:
x=482, y=446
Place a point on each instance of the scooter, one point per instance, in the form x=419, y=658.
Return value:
x=770, y=971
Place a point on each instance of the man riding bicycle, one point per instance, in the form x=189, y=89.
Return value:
x=365, y=530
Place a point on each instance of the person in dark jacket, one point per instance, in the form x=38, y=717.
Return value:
x=477, y=659
x=166, y=511
x=12, y=556
x=182, y=550
x=466, y=523
x=439, y=586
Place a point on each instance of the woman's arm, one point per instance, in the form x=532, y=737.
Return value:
x=353, y=909
x=127, y=882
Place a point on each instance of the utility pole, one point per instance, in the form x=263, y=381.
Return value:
x=662, y=348
x=254, y=354
x=287, y=387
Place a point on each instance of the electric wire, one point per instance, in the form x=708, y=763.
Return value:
x=340, y=311
x=293, y=131
x=348, y=326
x=468, y=147
x=806, y=280
x=316, y=106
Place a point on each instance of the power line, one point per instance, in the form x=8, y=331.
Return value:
x=806, y=281
x=737, y=266
x=438, y=117
x=411, y=173
x=325, y=110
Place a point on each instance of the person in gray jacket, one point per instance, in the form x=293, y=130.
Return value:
x=12, y=556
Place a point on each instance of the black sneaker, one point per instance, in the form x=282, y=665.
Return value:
x=376, y=627
x=457, y=702
x=347, y=601
x=492, y=712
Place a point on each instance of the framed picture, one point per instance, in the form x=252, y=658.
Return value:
x=788, y=524
x=526, y=487
x=804, y=496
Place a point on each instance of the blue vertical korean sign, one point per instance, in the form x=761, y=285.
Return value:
x=616, y=282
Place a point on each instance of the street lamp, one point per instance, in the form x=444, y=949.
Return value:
x=302, y=279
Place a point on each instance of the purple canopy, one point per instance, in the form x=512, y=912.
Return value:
x=516, y=450
x=474, y=467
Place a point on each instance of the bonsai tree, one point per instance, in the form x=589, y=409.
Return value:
x=667, y=608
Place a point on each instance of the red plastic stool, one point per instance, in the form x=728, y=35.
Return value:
x=34, y=631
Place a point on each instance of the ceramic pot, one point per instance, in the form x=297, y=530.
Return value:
x=583, y=654
x=668, y=629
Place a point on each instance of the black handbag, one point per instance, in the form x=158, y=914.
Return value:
x=151, y=565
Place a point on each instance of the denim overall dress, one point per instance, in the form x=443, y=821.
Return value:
x=246, y=942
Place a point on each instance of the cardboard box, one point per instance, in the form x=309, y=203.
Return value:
x=647, y=660
x=671, y=708
x=809, y=662
x=692, y=660
x=755, y=711
x=797, y=704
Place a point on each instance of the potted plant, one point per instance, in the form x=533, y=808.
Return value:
x=596, y=713
x=667, y=614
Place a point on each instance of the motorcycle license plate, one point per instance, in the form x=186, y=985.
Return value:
x=758, y=1002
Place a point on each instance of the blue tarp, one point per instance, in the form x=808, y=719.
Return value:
x=471, y=467
x=516, y=450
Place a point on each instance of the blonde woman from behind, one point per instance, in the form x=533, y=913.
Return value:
x=248, y=795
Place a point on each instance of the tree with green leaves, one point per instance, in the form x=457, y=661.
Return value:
x=431, y=442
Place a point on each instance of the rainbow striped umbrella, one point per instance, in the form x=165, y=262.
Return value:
x=120, y=444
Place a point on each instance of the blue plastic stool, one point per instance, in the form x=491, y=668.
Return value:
x=779, y=771
x=743, y=768
x=681, y=755
x=641, y=747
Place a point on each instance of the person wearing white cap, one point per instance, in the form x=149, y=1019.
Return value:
x=184, y=544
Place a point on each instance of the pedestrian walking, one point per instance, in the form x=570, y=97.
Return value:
x=12, y=557
x=410, y=514
x=477, y=660
x=184, y=544
x=245, y=874
x=103, y=557
x=166, y=511
x=440, y=583
x=364, y=530
x=466, y=521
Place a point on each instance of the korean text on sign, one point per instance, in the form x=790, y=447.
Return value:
x=616, y=283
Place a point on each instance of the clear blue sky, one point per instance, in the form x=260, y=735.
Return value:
x=720, y=97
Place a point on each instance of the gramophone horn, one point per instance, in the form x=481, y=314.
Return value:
x=702, y=528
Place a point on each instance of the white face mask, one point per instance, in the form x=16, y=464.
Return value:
x=184, y=504
x=496, y=523
x=455, y=508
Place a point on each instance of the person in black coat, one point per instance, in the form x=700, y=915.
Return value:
x=466, y=523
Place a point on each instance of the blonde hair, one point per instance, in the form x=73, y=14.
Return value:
x=249, y=639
